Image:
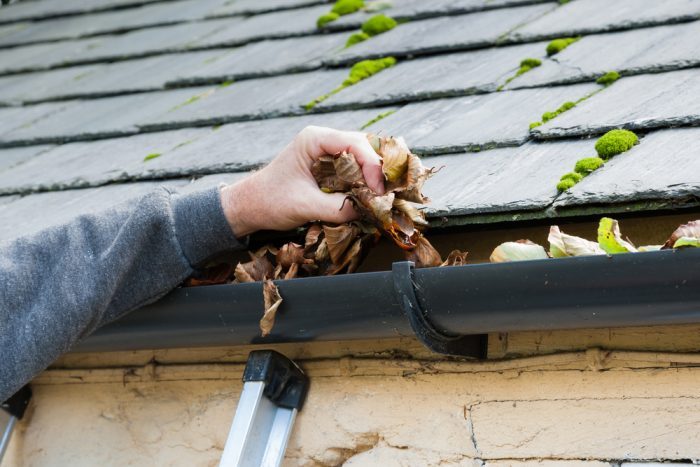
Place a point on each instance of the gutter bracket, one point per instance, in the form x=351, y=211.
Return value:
x=473, y=346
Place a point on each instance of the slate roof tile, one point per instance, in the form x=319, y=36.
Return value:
x=48, y=9
x=444, y=34
x=591, y=16
x=444, y=75
x=476, y=122
x=664, y=167
x=420, y=9
x=16, y=156
x=640, y=102
x=636, y=51
x=501, y=180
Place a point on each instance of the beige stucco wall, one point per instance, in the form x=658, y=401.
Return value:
x=389, y=404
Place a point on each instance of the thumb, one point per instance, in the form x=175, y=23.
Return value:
x=334, y=207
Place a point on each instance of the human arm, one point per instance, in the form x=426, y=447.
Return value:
x=62, y=283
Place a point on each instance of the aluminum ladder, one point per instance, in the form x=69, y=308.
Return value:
x=274, y=390
x=12, y=410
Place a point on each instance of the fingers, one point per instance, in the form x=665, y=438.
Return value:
x=334, y=207
x=323, y=141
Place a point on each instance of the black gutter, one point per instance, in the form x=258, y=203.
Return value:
x=652, y=288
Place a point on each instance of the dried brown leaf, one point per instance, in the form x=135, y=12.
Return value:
x=562, y=245
x=259, y=268
x=292, y=272
x=411, y=211
x=218, y=274
x=456, y=258
x=347, y=169
x=338, y=239
x=689, y=230
x=273, y=300
x=323, y=170
x=416, y=175
x=394, y=153
x=424, y=255
x=291, y=253
x=312, y=236
x=350, y=256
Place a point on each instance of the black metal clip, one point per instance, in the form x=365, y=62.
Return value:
x=473, y=346
x=17, y=404
x=285, y=383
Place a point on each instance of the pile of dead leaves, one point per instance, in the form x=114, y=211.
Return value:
x=330, y=249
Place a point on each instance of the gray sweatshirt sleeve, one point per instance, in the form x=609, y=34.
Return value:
x=62, y=283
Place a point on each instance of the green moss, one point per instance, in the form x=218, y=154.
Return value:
x=615, y=142
x=356, y=38
x=378, y=24
x=377, y=118
x=575, y=176
x=557, y=45
x=565, y=184
x=588, y=165
x=345, y=7
x=226, y=84
x=547, y=116
x=608, y=78
x=152, y=155
x=526, y=65
x=325, y=19
x=366, y=68
x=530, y=63
x=535, y=125
x=358, y=72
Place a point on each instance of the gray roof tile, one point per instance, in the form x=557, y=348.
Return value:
x=243, y=7
x=443, y=34
x=417, y=9
x=638, y=102
x=238, y=146
x=629, y=52
x=244, y=100
x=664, y=167
x=589, y=16
x=500, y=180
x=48, y=9
x=476, y=122
x=13, y=156
x=439, y=76
x=116, y=21
x=115, y=116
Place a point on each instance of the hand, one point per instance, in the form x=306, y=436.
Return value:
x=284, y=194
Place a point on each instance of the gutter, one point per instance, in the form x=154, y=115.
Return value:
x=449, y=309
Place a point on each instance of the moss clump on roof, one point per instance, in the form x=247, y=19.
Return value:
x=547, y=116
x=587, y=165
x=615, y=142
x=356, y=38
x=557, y=45
x=535, y=125
x=358, y=72
x=575, y=176
x=325, y=19
x=152, y=155
x=378, y=24
x=345, y=7
x=526, y=65
x=340, y=8
x=608, y=78
x=366, y=68
x=377, y=118
x=565, y=184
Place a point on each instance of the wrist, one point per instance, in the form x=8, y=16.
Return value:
x=236, y=202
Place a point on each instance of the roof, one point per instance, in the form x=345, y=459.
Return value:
x=211, y=89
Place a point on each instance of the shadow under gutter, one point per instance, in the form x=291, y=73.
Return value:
x=449, y=309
